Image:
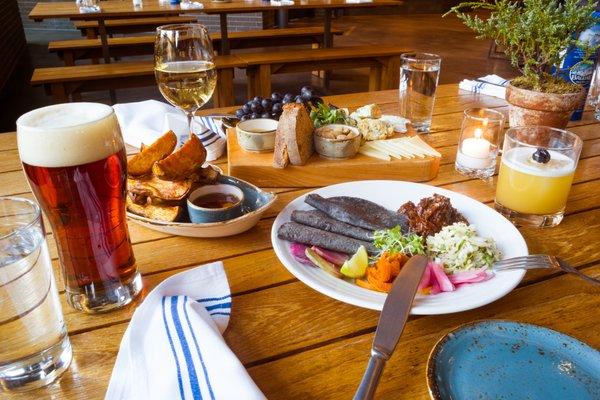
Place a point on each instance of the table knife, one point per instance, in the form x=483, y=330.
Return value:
x=396, y=310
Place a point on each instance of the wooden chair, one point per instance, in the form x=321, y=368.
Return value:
x=383, y=61
x=64, y=83
x=89, y=29
x=71, y=51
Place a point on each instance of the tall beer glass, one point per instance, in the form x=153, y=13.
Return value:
x=74, y=158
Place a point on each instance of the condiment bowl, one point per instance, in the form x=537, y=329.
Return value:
x=257, y=135
x=200, y=214
x=256, y=203
x=339, y=148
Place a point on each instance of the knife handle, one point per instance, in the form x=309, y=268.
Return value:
x=370, y=379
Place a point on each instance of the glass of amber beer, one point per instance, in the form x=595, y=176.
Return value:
x=74, y=158
x=536, y=173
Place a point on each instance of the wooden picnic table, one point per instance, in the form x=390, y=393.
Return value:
x=299, y=344
x=125, y=9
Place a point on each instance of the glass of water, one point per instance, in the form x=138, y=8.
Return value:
x=34, y=346
x=419, y=75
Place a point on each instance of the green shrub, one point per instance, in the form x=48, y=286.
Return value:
x=533, y=33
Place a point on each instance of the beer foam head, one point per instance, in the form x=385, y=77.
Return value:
x=520, y=159
x=68, y=134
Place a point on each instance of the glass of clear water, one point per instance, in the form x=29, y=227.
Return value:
x=34, y=346
x=419, y=75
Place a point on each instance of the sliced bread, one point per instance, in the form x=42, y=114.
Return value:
x=294, y=137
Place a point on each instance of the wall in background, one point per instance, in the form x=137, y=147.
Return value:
x=12, y=46
x=240, y=22
x=237, y=22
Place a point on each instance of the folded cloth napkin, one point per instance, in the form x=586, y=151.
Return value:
x=491, y=85
x=89, y=9
x=173, y=347
x=145, y=121
x=190, y=5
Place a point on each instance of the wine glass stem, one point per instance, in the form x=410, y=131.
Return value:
x=190, y=116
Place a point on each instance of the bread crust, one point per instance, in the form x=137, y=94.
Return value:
x=294, y=137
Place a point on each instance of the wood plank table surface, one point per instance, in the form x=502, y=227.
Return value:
x=299, y=344
x=125, y=9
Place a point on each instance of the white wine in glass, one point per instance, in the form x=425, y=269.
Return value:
x=184, y=66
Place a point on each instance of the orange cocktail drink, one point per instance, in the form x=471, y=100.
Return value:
x=536, y=173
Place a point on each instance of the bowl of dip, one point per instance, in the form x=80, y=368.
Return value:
x=214, y=203
x=257, y=135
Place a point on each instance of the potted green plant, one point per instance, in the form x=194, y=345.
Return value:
x=534, y=35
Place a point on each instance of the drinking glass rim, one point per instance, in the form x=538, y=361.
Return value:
x=578, y=142
x=498, y=114
x=178, y=27
x=414, y=56
x=19, y=123
x=36, y=215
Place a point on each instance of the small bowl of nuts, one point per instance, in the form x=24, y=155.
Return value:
x=337, y=141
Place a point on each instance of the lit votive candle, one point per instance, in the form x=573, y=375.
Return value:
x=478, y=142
x=475, y=152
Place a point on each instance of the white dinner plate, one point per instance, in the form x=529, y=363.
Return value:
x=392, y=194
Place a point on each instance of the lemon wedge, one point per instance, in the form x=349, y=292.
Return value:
x=357, y=265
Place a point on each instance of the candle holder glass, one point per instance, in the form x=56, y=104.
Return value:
x=478, y=142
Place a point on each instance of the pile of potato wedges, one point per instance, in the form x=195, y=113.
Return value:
x=160, y=178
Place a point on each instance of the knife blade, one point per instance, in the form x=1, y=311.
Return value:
x=392, y=319
x=398, y=303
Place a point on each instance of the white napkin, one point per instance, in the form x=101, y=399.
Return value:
x=190, y=5
x=491, y=85
x=89, y=9
x=145, y=121
x=173, y=348
x=282, y=2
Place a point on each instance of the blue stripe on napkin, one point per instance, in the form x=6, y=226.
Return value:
x=220, y=313
x=181, y=394
x=208, y=299
x=220, y=305
x=187, y=318
x=195, y=387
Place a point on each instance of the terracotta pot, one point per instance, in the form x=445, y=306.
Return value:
x=528, y=107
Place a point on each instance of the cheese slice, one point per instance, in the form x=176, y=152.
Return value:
x=368, y=151
x=400, y=148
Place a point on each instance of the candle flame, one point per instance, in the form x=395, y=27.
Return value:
x=478, y=133
x=485, y=123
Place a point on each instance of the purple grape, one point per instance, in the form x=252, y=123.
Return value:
x=266, y=104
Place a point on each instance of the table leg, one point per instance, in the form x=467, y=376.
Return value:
x=106, y=53
x=327, y=39
x=224, y=37
x=282, y=18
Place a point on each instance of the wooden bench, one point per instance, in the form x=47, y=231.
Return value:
x=70, y=51
x=89, y=29
x=64, y=83
x=383, y=61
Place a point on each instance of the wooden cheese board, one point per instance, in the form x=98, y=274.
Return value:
x=257, y=168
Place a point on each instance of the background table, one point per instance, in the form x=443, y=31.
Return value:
x=299, y=344
x=125, y=9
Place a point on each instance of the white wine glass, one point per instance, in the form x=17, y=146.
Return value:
x=184, y=66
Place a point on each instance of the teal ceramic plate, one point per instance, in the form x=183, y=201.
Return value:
x=509, y=360
x=256, y=202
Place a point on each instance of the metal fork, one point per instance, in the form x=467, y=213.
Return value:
x=541, y=261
